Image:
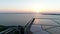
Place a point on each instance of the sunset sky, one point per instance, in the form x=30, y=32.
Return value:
x=29, y=5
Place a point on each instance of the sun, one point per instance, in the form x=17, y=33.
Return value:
x=38, y=8
x=37, y=11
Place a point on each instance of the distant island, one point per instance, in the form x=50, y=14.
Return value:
x=49, y=14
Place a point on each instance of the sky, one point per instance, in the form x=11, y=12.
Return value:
x=30, y=6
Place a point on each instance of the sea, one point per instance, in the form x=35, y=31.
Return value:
x=21, y=19
x=43, y=24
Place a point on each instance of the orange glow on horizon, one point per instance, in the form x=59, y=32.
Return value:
x=36, y=10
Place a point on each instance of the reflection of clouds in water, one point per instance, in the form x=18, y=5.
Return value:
x=36, y=29
x=48, y=25
x=45, y=21
x=37, y=15
x=36, y=21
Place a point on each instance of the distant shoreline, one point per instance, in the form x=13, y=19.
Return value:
x=33, y=13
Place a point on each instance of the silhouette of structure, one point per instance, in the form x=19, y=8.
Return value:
x=19, y=29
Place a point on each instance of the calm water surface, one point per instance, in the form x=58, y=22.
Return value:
x=22, y=19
